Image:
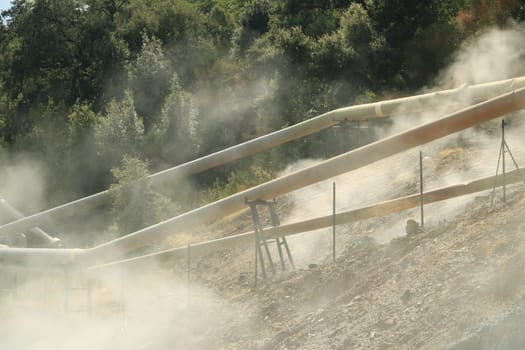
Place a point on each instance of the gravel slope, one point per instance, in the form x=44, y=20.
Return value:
x=456, y=283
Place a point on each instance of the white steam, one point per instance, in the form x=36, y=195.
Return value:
x=146, y=311
x=22, y=182
x=155, y=313
x=494, y=55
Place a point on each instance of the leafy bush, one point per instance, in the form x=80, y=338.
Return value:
x=238, y=181
x=135, y=204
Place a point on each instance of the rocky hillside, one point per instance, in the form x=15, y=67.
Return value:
x=457, y=285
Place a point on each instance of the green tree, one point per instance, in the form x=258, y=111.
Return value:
x=413, y=53
x=84, y=172
x=221, y=24
x=120, y=131
x=254, y=22
x=109, y=7
x=56, y=50
x=135, y=204
x=178, y=127
x=150, y=80
x=316, y=18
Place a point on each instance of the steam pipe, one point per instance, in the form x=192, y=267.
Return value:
x=37, y=232
x=49, y=258
x=375, y=210
x=41, y=257
x=463, y=94
x=351, y=160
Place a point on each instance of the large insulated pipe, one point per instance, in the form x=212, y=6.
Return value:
x=37, y=235
x=371, y=211
x=360, y=157
x=454, y=122
x=50, y=258
x=463, y=95
x=41, y=257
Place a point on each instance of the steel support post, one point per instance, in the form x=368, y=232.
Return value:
x=421, y=189
x=333, y=222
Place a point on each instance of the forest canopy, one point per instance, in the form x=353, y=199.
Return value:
x=87, y=84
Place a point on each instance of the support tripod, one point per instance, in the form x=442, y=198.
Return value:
x=504, y=148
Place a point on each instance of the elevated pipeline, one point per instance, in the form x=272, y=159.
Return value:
x=470, y=93
x=35, y=233
x=42, y=257
x=375, y=210
x=354, y=159
x=70, y=257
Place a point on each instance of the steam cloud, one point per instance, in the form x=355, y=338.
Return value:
x=496, y=54
x=156, y=315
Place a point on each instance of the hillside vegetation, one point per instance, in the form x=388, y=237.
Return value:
x=86, y=84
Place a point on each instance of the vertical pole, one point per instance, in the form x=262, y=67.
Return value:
x=259, y=239
x=496, y=178
x=267, y=250
x=256, y=265
x=280, y=251
x=188, y=276
x=421, y=189
x=503, y=150
x=66, y=289
x=123, y=298
x=514, y=161
x=89, y=296
x=288, y=253
x=15, y=285
x=333, y=223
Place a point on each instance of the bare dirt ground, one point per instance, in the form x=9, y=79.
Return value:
x=459, y=284
x=437, y=289
x=456, y=285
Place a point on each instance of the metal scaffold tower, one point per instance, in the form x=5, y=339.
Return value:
x=504, y=148
x=261, y=241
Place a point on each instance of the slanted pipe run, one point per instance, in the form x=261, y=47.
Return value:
x=374, y=210
x=37, y=234
x=61, y=258
x=42, y=257
x=463, y=95
x=354, y=159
